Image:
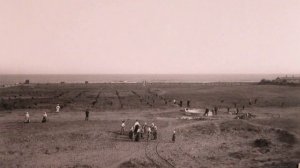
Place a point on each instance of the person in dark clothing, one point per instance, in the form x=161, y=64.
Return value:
x=216, y=110
x=135, y=131
x=206, y=112
x=87, y=113
x=44, y=118
x=173, y=136
x=180, y=103
x=137, y=135
x=228, y=109
x=188, y=103
x=131, y=133
x=155, y=133
x=243, y=107
x=237, y=110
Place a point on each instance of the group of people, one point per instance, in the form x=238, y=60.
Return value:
x=27, y=118
x=45, y=116
x=138, y=131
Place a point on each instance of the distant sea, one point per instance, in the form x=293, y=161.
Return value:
x=188, y=78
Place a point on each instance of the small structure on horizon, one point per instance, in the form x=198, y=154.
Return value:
x=282, y=80
x=286, y=79
x=27, y=81
x=86, y=82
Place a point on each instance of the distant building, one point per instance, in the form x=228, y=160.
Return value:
x=288, y=80
x=86, y=82
x=26, y=81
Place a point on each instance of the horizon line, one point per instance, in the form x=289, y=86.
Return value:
x=150, y=74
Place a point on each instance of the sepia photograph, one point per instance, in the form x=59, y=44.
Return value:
x=149, y=83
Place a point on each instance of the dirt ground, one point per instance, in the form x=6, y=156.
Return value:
x=269, y=139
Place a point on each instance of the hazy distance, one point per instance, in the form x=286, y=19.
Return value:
x=156, y=37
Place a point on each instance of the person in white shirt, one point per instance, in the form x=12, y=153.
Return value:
x=123, y=127
x=152, y=127
x=57, y=108
x=149, y=134
x=44, y=117
x=136, y=123
x=27, y=119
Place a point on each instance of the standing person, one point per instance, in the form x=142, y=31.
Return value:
x=145, y=130
x=173, y=136
x=27, y=119
x=155, y=133
x=131, y=133
x=137, y=136
x=123, y=127
x=149, y=134
x=87, y=114
x=206, y=112
x=228, y=109
x=136, y=127
x=57, y=108
x=216, y=110
x=188, y=103
x=152, y=127
x=237, y=110
x=136, y=123
x=44, y=118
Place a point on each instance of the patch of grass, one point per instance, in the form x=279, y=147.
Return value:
x=286, y=137
x=238, y=125
x=261, y=143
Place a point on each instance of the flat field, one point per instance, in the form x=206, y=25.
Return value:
x=268, y=139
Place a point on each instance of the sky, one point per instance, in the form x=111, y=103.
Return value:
x=149, y=36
